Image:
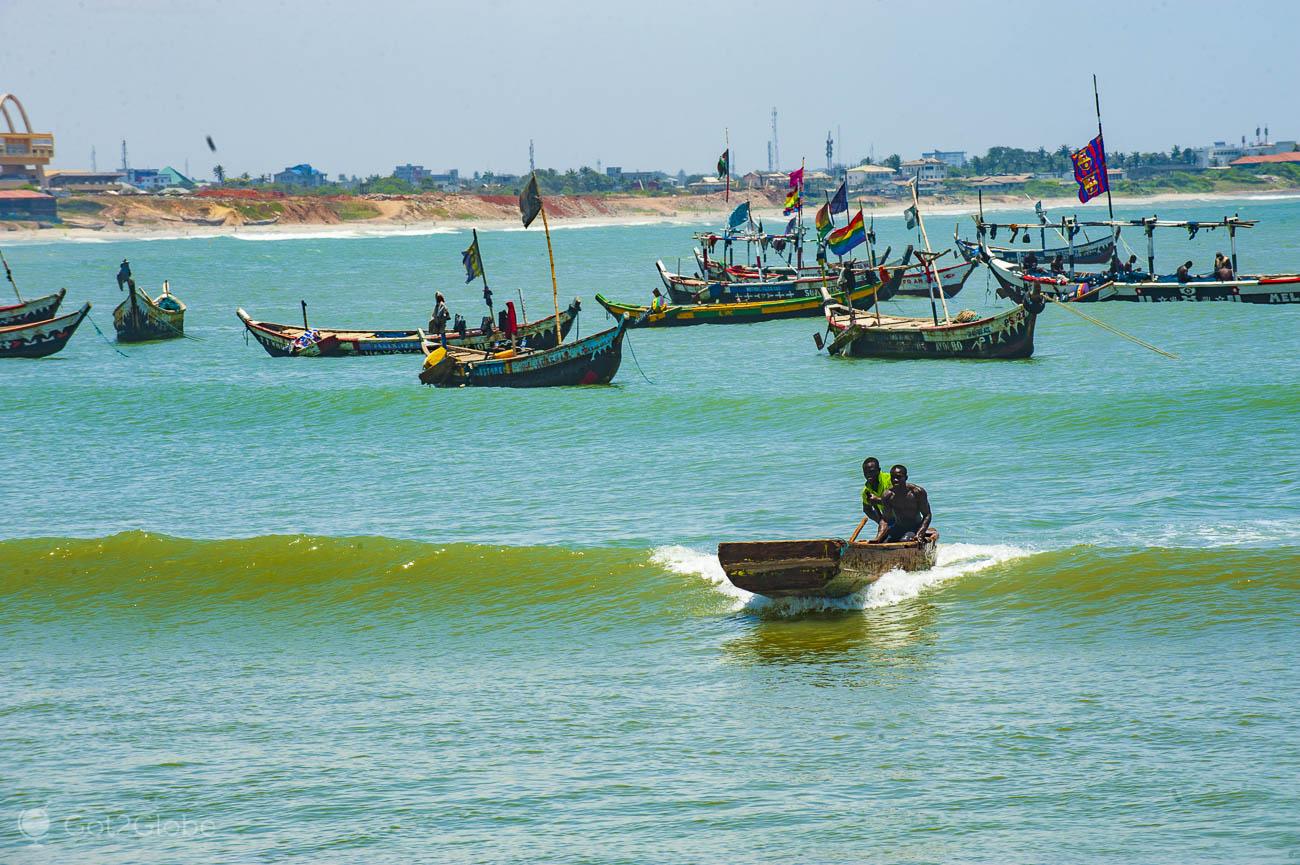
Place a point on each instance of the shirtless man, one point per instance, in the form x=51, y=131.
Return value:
x=909, y=507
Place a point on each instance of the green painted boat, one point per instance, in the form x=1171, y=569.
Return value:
x=743, y=313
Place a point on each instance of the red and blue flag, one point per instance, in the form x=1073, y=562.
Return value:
x=1090, y=170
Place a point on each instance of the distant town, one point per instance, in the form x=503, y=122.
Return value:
x=30, y=187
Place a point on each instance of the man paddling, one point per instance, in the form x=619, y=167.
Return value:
x=873, y=491
x=907, y=507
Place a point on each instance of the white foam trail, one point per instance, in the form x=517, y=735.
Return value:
x=895, y=587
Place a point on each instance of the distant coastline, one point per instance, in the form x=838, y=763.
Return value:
x=106, y=218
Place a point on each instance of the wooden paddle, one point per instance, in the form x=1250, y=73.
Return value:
x=858, y=530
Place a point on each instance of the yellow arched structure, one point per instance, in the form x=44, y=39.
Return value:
x=23, y=153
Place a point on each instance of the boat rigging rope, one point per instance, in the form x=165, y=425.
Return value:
x=104, y=338
x=627, y=337
x=1114, y=330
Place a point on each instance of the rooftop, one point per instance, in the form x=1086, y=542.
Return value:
x=22, y=193
x=1267, y=158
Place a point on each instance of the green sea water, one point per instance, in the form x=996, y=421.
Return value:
x=265, y=610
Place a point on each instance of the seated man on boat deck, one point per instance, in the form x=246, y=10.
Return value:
x=873, y=491
x=1184, y=272
x=1116, y=267
x=658, y=303
x=907, y=507
x=1058, y=265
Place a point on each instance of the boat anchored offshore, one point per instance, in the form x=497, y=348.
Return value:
x=822, y=567
x=138, y=318
x=592, y=360
x=40, y=338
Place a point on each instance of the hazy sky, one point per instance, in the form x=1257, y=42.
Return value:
x=361, y=86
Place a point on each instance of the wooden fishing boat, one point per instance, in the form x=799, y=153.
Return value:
x=1096, y=251
x=592, y=360
x=1083, y=288
x=716, y=270
x=1005, y=336
x=36, y=309
x=746, y=312
x=820, y=568
x=288, y=340
x=40, y=338
x=926, y=282
x=1268, y=289
x=690, y=289
x=138, y=318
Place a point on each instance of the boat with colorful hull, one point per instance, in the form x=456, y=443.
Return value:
x=822, y=567
x=743, y=313
x=139, y=318
x=40, y=338
x=36, y=309
x=592, y=360
x=288, y=340
x=1005, y=336
x=1096, y=251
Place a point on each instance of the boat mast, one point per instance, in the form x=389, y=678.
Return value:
x=798, y=231
x=9, y=275
x=555, y=291
x=929, y=258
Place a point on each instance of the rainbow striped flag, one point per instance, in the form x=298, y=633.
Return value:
x=823, y=221
x=841, y=240
x=793, y=202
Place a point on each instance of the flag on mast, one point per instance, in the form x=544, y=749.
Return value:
x=796, y=178
x=841, y=240
x=1090, y=170
x=823, y=221
x=530, y=201
x=840, y=201
x=724, y=170
x=793, y=201
x=473, y=261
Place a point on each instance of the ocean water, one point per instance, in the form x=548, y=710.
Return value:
x=264, y=610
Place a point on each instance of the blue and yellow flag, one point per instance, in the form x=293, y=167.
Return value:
x=473, y=261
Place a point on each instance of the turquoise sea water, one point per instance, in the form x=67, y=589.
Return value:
x=258, y=609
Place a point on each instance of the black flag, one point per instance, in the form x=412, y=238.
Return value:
x=530, y=201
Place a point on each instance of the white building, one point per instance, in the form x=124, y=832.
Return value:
x=955, y=158
x=1220, y=154
x=924, y=169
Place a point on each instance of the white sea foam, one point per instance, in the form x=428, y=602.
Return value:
x=895, y=587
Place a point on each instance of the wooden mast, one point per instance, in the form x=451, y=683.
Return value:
x=10, y=275
x=929, y=256
x=555, y=291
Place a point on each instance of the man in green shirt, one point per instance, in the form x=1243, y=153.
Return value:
x=873, y=491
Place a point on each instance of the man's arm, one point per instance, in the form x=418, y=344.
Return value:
x=923, y=506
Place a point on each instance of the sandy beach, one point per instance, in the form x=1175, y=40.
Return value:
x=153, y=218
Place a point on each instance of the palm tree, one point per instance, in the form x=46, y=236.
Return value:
x=219, y=172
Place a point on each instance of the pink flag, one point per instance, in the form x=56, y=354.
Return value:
x=796, y=178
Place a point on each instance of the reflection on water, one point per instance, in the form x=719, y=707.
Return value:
x=887, y=636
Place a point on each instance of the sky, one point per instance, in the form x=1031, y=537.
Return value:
x=359, y=87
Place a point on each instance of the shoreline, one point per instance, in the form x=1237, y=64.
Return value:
x=706, y=213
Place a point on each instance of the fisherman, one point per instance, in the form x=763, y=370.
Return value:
x=1130, y=266
x=441, y=315
x=907, y=507
x=123, y=275
x=1030, y=262
x=1058, y=265
x=1224, y=271
x=873, y=491
x=1116, y=266
x=1184, y=273
x=658, y=303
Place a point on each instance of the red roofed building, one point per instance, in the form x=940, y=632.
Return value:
x=28, y=205
x=1266, y=159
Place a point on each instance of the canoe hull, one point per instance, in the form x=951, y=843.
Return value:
x=139, y=319
x=1008, y=335
x=37, y=309
x=819, y=568
x=1089, y=252
x=41, y=338
x=278, y=339
x=593, y=360
x=1263, y=290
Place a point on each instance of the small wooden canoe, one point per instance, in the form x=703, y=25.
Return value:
x=40, y=338
x=285, y=340
x=592, y=360
x=820, y=568
x=36, y=309
x=139, y=318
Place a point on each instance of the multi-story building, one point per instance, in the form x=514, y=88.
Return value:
x=954, y=158
x=925, y=169
x=300, y=175
x=412, y=174
x=23, y=155
x=1220, y=154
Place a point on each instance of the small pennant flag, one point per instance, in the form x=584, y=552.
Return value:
x=793, y=202
x=724, y=163
x=911, y=217
x=796, y=178
x=841, y=240
x=840, y=201
x=530, y=201
x=473, y=262
x=823, y=221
